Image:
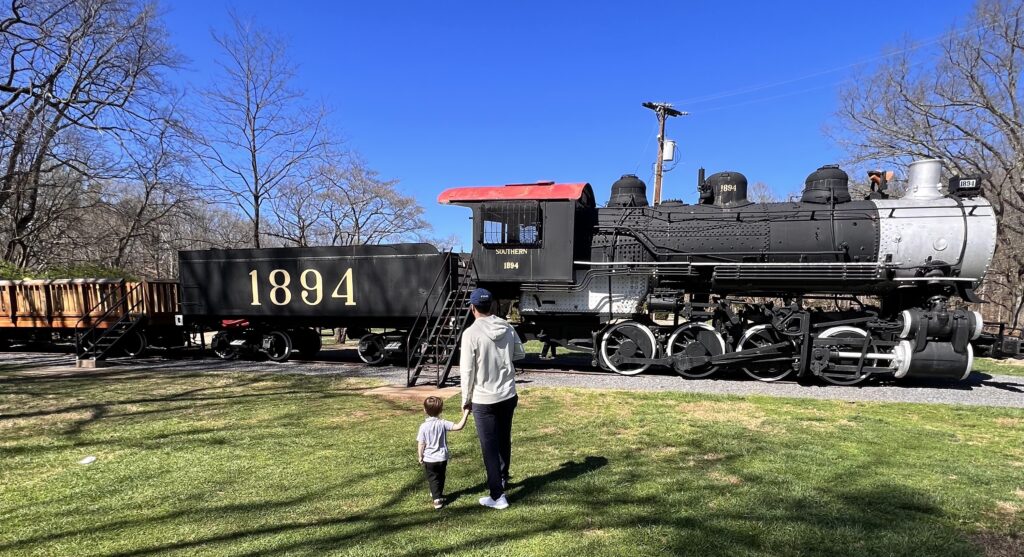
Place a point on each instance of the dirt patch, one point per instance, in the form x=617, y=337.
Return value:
x=412, y=394
x=1008, y=509
x=723, y=478
x=999, y=545
x=1010, y=422
x=743, y=414
x=663, y=452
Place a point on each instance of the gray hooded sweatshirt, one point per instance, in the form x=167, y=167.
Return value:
x=489, y=346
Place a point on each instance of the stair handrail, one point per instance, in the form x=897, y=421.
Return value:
x=122, y=302
x=451, y=343
x=426, y=311
x=87, y=314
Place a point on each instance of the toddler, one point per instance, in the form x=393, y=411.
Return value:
x=432, y=449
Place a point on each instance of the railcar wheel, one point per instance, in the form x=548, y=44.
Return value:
x=221, y=346
x=628, y=339
x=277, y=345
x=757, y=336
x=696, y=339
x=371, y=349
x=134, y=344
x=844, y=378
x=307, y=342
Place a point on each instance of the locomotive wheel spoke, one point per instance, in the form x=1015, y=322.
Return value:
x=695, y=340
x=757, y=336
x=627, y=340
x=844, y=378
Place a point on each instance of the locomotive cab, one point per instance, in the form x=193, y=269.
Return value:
x=528, y=232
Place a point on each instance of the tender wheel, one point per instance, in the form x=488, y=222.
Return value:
x=627, y=340
x=307, y=342
x=757, y=336
x=221, y=346
x=277, y=345
x=371, y=349
x=696, y=339
x=844, y=378
x=134, y=344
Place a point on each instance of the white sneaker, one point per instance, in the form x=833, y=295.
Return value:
x=501, y=503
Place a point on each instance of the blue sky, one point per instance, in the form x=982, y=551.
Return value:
x=443, y=94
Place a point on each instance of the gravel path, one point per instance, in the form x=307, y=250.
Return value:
x=979, y=390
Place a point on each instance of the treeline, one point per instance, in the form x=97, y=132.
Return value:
x=109, y=164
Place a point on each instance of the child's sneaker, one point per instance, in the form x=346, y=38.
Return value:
x=438, y=503
x=501, y=503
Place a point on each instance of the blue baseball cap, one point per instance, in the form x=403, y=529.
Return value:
x=480, y=296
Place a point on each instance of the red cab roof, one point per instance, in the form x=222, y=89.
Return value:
x=538, y=191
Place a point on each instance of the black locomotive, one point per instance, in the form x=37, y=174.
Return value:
x=849, y=287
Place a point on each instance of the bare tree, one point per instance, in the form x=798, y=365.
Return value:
x=364, y=209
x=155, y=186
x=260, y=132
x=301, y=213
x=761, y=193
x=75, y=77
x=964, y=106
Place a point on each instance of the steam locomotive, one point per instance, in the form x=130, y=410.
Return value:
x=827, y=286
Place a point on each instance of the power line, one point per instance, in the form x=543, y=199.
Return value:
x=643, y=152
x=769, y=85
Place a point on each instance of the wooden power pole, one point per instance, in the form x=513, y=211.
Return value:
x=663, y=111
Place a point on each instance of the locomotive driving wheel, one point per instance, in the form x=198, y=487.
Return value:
x=757, y=336
x=695, y=340
x=844, y=378
x=628, y=339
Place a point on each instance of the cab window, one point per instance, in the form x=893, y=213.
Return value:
x=512, y=223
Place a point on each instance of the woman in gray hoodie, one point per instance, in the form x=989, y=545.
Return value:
x=489, y=346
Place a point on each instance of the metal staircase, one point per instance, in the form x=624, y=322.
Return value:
x=96, y=337
x=433, y=340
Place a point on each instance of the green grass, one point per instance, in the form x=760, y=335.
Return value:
x=255, y=464
x=998, y=367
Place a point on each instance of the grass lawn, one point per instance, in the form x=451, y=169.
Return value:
x=999, y=367
x=255, y=464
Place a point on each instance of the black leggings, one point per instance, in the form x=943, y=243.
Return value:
x=435, y=477
x=494, y=428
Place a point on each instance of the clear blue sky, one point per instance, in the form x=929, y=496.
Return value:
x=443, y=94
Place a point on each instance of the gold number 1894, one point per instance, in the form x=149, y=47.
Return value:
x=312, y=283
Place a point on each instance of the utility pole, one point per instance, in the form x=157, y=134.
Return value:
x=663, y=111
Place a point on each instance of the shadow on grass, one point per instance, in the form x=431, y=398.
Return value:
x=841, y=519
x=522, y=490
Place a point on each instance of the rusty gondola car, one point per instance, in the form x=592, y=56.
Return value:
x=100, y=315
